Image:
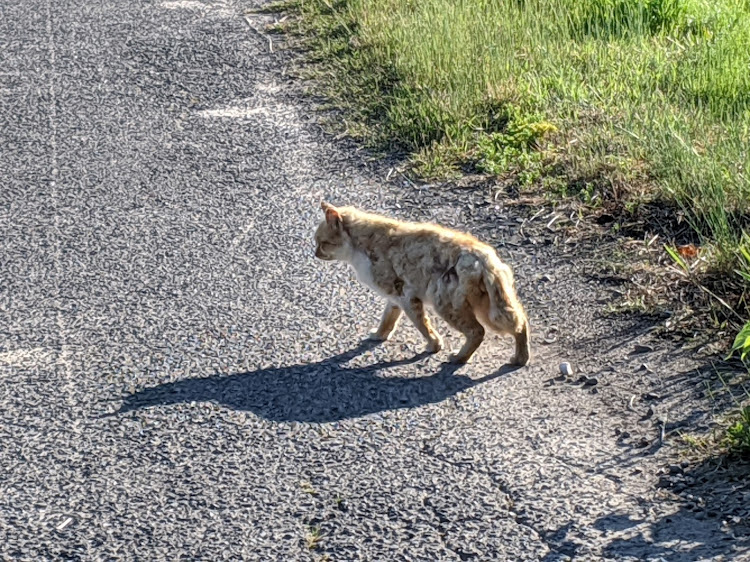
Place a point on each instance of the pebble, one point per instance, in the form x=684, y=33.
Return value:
x=566, y=369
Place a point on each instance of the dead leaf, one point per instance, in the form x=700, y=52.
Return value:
x=688, y=251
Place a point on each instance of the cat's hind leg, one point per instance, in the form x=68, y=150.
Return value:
x=465, y=321
x=414, y=309
x=523, y=345
x=510, y=322
x=388, y=322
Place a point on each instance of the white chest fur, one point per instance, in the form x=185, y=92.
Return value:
x=363, y=269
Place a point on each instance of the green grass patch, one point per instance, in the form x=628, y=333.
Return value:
x=738, y=432
x=625, y=99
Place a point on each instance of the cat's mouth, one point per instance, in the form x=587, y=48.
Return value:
x=321, y=256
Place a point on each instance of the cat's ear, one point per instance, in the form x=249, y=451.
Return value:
x=333, y=217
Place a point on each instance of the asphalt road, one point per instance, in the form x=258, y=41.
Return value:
x=181, y=380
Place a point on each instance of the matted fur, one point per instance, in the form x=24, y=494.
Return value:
x=417, y=264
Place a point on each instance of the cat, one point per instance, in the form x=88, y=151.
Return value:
x=416, y=264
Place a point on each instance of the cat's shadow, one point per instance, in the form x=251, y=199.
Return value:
x=319, y=392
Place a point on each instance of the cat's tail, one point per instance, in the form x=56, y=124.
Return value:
x=506, y=314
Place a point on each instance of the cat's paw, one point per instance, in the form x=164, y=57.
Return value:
x=435, y=345
x=458, y=359
x=375, y=335
x=520, y=361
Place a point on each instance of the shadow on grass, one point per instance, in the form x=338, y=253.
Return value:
x=319, y=392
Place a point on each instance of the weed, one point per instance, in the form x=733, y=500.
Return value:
x=514, y=149
x=742, y=342
x=313, y=537
x=736, y=437
x=738, y=433
x=308, y=488
x=696, y=443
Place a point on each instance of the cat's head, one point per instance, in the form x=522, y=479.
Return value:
x=331, y=239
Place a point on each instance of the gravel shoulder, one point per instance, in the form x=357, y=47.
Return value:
x=180, y=379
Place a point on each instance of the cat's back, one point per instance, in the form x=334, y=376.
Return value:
x=408, y=244
x=378, y=226
x=435, y=239
x=420, y=247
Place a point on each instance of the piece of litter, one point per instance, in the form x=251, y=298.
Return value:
x=64, y=524
x=551, y=335
x=550, y=223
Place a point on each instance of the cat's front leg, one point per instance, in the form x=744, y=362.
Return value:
x=388, y=322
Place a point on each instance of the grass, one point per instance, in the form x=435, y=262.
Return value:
x=731, y=437
x=742, y=342
x=313, y=538
x=737, y=436
x=607, y=100
x=699, y=444
x=738, y=432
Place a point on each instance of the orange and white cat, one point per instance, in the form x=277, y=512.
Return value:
x=416, y=264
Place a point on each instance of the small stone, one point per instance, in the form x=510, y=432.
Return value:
x=566, y=369
x=591, y=381
x=675, y=469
